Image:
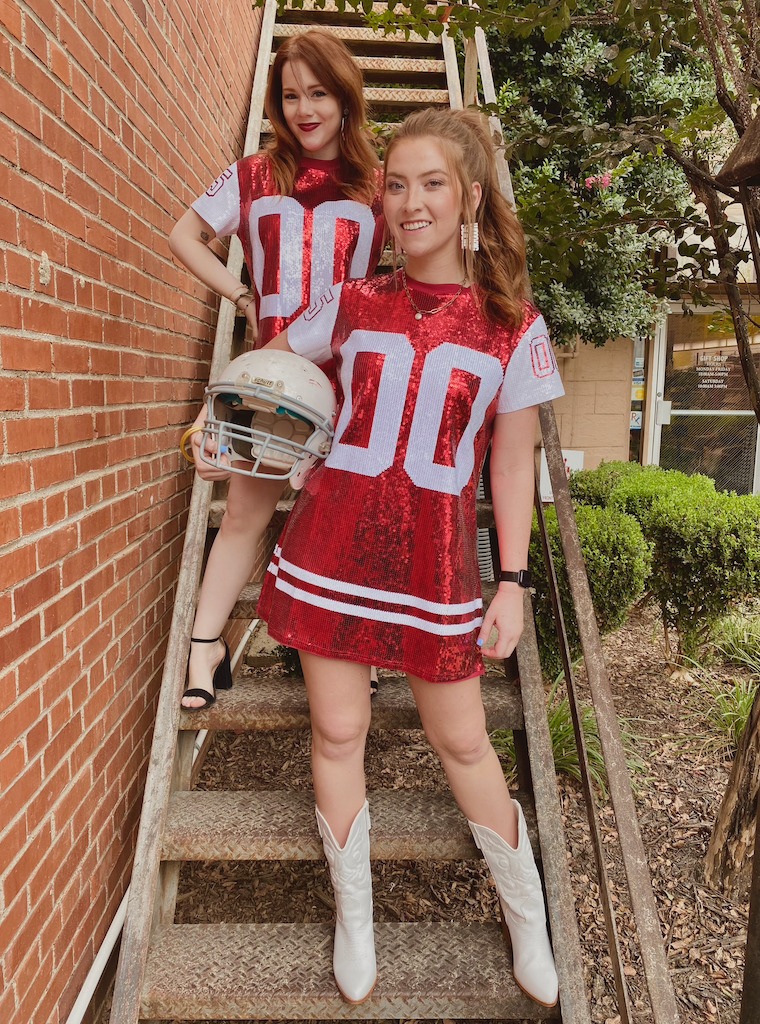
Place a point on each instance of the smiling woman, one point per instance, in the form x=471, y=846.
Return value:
x=307, y=210
x=378, y=564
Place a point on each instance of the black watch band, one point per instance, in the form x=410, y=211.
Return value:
x=523, y=578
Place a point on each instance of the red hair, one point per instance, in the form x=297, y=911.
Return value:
x=331, y=63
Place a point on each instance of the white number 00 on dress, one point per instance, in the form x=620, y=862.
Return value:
x=429, y=407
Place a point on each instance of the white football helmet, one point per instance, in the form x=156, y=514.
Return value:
x=272, y=413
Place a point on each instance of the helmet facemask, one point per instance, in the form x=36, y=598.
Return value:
x=276, y=429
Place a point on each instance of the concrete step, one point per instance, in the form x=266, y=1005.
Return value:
x=284, y=971
x=279, y=702
x=220, y=825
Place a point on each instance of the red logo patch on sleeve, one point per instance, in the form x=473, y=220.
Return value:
x=217, y=185
x=316, y=307
x=541, y=356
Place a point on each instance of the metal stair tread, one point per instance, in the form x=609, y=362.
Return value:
x=398, y=65
x=284, y=971
x=279, y=702
x=350, y=33
x=378, y=96
x=220, y=825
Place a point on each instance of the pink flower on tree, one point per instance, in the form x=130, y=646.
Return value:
x=602, y=180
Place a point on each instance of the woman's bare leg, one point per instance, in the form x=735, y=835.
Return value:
x=340, y=707
x=251, y=502
x=454, y=720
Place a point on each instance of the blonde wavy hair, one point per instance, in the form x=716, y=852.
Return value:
x=331, y=63
x=498, y=268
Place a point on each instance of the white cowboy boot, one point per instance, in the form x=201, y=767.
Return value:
x=522, y=906
x=354, y=962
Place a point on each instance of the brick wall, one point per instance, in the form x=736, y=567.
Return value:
x=594, y=414
x=113, y=117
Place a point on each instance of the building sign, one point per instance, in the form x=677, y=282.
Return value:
x=713, y=370
x=636, y=419
x=573, y=462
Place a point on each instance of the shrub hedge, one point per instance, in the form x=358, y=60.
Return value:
x=705, y=544
x=706, y=559
x=617, y=561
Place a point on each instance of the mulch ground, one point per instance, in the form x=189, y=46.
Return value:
x=678, y=789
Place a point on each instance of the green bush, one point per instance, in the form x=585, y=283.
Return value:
x=617, y=562
x=594, y=486
x=706, y=559
x=637, y=493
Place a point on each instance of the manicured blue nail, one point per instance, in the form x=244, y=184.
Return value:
x=480, y=643
x=224, y=449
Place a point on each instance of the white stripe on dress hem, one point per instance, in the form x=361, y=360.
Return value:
x=360, y=612
x=373, y=594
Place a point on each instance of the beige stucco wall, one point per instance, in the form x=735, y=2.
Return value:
x=594, y=414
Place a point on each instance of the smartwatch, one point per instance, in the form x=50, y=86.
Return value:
x=523, y=578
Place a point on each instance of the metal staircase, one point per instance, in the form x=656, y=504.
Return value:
x=283, y=971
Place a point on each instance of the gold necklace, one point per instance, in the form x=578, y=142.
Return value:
x=418, y=313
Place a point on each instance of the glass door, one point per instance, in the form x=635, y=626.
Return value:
x=711, y=428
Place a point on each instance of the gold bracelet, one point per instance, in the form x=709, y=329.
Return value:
x=185, y=438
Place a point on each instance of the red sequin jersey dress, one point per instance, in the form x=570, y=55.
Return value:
x=377, y=563
x=297, y=246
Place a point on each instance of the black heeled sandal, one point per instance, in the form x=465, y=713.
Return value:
x=221, y=680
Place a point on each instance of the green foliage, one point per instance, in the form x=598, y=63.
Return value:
x=563, y=741
x=637, y=493
x=727, y=709
x=737, y=637
x=594, y=486
x=706, y=559
x=617, y=562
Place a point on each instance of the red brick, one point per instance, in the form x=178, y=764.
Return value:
x=71, y=358
x=61, y=214
x=39, y=237
x=18, y=269
x=48, y=393
x=27, y=194
x=9, y=143
x=18, y=107
x=17, y=565
x=78, y=565
x=60, y=140
x=61, y=612
x=26, y=865
x=44, y=317
x=10, y=15
x=56, y=545
x=11, y=394
x=84, y=327
x=13, y=841
x=41, y=663
x=15, y=478
x=10, y=313
x=30, y=76
x=39, y=590
x=53, y=469
x=25, y=353
x=10, y=527
x=30, y=434
x=8, y=224
x=32, y=516
x=37, y=737
x=36, y=41
x=36, y=160
x=59, y=64
x=80, y=120
x=55, y=507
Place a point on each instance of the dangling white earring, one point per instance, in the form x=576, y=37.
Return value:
x=470, y=236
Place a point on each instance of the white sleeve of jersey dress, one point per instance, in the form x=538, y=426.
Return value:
x=220, y=203
x=532, y=376
x=311, y=333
